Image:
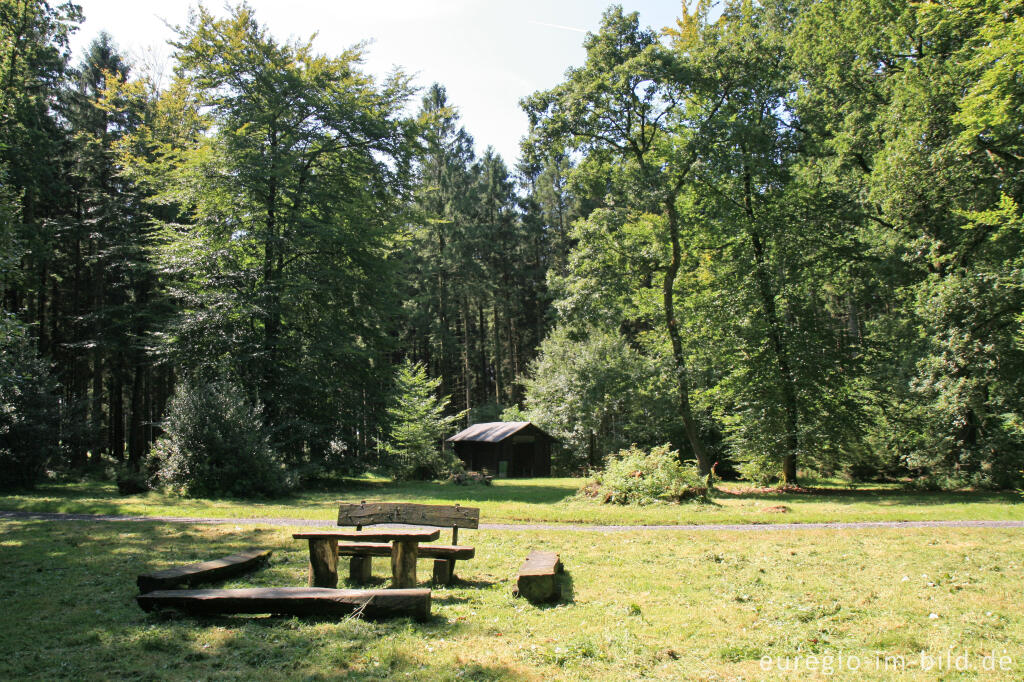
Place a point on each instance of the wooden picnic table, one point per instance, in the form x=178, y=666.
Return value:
x=323, y=552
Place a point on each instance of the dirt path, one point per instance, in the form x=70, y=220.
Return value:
x=53, y=516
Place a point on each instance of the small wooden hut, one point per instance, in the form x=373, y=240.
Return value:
x=505, y=449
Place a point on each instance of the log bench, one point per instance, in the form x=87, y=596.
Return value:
x=292, y=601
x=203, y=572
x=536, y=580
x=437, y=516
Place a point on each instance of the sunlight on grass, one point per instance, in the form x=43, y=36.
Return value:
x=671, y=605
x=549, y=500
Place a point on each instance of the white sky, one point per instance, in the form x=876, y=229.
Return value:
x=487, y=53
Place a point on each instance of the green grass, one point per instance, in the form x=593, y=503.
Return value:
x=668, y=604
x=551, y=500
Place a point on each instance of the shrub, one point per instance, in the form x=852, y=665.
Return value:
x=633, y=476
x=29, y=409
x=214, y=445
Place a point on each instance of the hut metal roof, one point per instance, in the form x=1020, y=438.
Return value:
x=491, y=432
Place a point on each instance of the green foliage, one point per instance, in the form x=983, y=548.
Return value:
x=29, y=410
x=286, y=169
x=636, y=476
x=595, y=393
x=415, y=446
x=215, y=445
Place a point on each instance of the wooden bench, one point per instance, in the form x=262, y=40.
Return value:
x=204, y=572
x=437, y=516
x=536, y=580
x=293, y=601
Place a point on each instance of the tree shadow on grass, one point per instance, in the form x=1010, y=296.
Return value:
x=450, y=492
x=879, y=496
x=74, y=583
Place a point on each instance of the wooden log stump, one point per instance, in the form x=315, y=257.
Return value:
x=299, y=601
x=444, y=571
x=537, y=577
x=360, y=569
x=323, y=562
x=403, y=563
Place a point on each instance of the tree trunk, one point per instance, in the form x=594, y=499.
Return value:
x=466, y=379
x=116, y=443
x=785, y=373
x=672, y=325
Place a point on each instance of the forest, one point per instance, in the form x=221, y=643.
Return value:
x=783, y=237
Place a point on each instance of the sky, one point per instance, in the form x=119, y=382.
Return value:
x=487, y=53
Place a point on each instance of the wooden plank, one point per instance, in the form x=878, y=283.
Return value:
x=203, y=572
x=378, y=535
x=536, y=580
x=441, y=516
x=298, y=601
x=371, y=549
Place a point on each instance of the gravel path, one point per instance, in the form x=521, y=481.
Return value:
x=53, y=516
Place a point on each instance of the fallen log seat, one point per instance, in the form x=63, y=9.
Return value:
x=204, y=572
x=293, y=601
x=536, y=580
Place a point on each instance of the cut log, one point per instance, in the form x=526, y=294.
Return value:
x=360, y=568
x=536, y=580
x=369, y=549
x=403, y=563
x=296, y=601
x=444, y=571
x=323, y=562
x=204, y=572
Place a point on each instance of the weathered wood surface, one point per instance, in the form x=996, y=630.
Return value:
x=204, y=572
x=360, y=568
x=369, y=549
x=444, y=571
x=403, y=563
x=323, y=562
x=378, y=535
x=298, y=601
x=537, y=577
x=372, y=513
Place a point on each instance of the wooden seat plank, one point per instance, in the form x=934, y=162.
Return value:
x=204, y=572
x=298, y=601
x=381, y=549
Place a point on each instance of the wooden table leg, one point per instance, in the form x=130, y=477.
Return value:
x=403, y=563
x=323, y=562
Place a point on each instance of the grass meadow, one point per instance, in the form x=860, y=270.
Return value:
x=879, y=603
x=550, y=500
x=636, y=605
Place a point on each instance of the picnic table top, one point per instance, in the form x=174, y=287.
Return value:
x=381, y=535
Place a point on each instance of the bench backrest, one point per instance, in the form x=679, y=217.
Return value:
x=439, y=516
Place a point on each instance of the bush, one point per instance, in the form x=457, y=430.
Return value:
x=633, y=476
x=214, y=445
x=29, y=409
